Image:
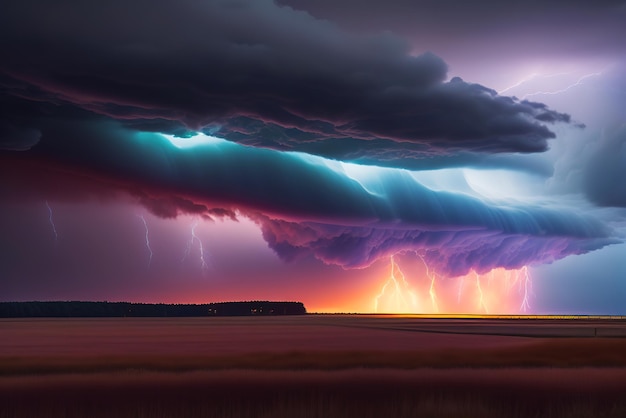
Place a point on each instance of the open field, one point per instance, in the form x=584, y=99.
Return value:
x=309, y=366
x=347, y=393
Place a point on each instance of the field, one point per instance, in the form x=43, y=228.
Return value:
x=312, y=366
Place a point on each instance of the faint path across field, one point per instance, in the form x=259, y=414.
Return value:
x=528, y=327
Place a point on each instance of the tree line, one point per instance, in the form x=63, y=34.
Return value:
x=75, y=309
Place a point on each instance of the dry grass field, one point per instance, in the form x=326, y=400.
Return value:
x=312, y=366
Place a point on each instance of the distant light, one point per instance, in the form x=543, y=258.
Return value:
x=503, y=184
x=197, y=140
x=371, y=178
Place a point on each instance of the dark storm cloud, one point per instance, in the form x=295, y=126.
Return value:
x=304, y=204
x=259, y=74
x=605, y=172
x=87, y=89
x=17, y=138
x=16, y=119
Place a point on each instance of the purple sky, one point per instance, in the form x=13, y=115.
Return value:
x=227, y=150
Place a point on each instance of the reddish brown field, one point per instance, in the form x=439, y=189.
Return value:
x=310, y=366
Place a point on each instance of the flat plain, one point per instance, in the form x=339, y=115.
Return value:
x=312, y=365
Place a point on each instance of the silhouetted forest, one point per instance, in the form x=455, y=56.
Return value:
x=73, y=309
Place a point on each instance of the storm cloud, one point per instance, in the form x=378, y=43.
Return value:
x=260, y=74
x=450, y=250
x=304, y=205
x=98, y=99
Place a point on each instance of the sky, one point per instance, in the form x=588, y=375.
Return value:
x=355, y=155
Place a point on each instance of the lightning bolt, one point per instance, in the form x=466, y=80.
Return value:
x=481, y=297
x=145, y=225
x=433, y=295
x=563, y=90
x=459, y=294
x=525, y=306
x=51, y=220
x=529, y=78
x=400, y=286
x=431, y=289
x=490, y=292
x=519, y=83
x=382, y=292
x=194, y=238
